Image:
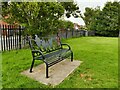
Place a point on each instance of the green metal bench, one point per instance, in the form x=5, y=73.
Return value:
x=49, y=50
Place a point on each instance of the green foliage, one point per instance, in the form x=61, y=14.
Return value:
x=66, y=24
x=89, y=14
x=83, y=27
x=105, y=21
x=37, y=17
x=71, y=9
x=69, y=25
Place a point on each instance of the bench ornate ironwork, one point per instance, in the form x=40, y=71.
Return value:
x=50, y=50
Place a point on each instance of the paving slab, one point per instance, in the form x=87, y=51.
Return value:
x=57, y=73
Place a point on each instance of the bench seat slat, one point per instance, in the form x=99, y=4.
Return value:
x=53, y=56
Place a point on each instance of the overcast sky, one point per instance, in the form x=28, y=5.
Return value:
x=87, y=3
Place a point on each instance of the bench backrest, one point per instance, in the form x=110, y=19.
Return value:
x=45, y=44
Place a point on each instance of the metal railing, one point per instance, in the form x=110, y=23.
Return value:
x=11, y=37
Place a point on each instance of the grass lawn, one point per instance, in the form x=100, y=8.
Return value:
x=98, y=70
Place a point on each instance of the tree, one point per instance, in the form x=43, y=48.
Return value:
x=71, y=9
x=36, y=16
x=88, y=16
x=106, y=22
x=62, y=24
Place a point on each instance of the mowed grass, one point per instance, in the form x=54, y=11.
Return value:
x=98, y=70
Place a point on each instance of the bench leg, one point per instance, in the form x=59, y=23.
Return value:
x=47, y=71
x=32, y=65
x=71, y=56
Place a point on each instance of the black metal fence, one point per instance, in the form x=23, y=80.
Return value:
x=11, y=37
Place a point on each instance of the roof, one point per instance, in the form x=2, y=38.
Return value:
x=3, y=23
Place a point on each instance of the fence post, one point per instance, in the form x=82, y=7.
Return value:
x=66, y=33
x=86, y=33
x=19, y=37
x=6, y=28
x=1, y=30
x=4, y=37
x=72, y=32
x=13, y=36
x=9, y=37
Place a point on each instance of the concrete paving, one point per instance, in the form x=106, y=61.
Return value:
x=57, y=73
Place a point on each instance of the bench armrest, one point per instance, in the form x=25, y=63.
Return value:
x=63, y=44
x=38, y=52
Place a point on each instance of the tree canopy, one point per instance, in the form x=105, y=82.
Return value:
x=105, y=21
x=38, y=16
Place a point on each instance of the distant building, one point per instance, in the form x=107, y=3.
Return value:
x=5, y=25
x=5, y=32
x=76, y=26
